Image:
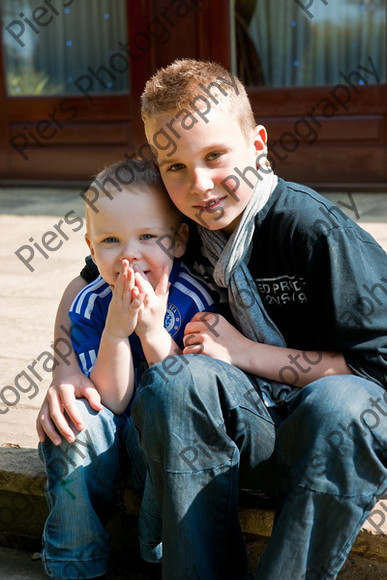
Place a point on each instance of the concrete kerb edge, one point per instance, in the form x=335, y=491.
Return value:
x=21, y=472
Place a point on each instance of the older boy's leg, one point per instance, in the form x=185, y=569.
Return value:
x=80, y=494
x=332, y=454
x=194, y=425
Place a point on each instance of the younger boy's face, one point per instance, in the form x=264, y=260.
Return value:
x=129, y=226
x=205, y=156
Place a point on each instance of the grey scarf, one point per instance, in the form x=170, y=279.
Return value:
x=230, y=258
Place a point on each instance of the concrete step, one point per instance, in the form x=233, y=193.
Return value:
x=23, y=507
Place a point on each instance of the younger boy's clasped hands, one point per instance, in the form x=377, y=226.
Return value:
x=135, y=306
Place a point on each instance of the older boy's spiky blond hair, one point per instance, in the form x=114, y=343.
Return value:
x=174, y=87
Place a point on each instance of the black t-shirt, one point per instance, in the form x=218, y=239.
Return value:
x=322, y=279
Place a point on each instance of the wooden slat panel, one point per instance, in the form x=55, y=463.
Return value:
x=341, y=129
x=47, y=134
x=327, y=164
x=298, y=101
x=64, y=163
x=104, y=108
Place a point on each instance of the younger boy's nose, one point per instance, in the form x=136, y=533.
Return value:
x=130, y=252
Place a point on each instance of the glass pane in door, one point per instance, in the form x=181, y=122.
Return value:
x=283, y=43
x=71, y=47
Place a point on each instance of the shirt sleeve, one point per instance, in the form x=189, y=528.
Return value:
x=353, y=310
x=85, y=338
x=188, y=295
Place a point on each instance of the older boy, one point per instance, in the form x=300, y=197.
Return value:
x=145, y=293
x=277, y=401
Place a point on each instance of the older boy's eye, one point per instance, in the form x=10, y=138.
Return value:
x=176, y=167
x=147, y=237
x=110, y=240
x=213, y=156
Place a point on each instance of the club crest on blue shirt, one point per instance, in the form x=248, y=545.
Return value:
x=172, y=320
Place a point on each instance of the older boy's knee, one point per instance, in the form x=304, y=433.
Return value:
x=343, y=395
x=347, y=406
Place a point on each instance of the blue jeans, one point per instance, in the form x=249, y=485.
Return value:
x=205, y=432
x=81, y=492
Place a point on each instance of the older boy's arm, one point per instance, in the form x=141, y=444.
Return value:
x=68, y=382
x=214, y=336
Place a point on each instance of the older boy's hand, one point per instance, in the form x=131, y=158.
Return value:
x=211, y=334
x=59, y=407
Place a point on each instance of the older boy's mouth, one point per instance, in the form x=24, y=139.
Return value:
x=210, y=205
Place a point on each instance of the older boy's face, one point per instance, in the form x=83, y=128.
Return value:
x=129, y=226
x=200, y=170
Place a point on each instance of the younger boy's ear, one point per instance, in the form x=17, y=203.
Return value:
x=88, y=242
x=181, y=240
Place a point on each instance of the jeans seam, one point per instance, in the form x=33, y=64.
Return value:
x=226, y=463
x=378, y=487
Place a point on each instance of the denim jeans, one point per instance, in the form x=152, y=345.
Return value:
x=81, y=493
x=205, y=432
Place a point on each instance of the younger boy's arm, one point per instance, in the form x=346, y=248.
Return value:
x=68, y=382
x=217, y=338
x=113, y=371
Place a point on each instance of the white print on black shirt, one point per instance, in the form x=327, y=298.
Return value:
x=282, y=290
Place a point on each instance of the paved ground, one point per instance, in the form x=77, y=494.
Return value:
x=28, y=299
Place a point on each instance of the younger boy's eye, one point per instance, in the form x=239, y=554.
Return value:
x=146, y=237
x=110, y=240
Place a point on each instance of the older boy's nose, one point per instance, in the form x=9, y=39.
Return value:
x=201, y=180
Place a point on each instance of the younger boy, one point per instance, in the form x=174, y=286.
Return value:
x=136, y=238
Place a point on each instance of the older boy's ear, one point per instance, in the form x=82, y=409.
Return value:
x=181, y=240
x=260, y=138
x=88, y=242
x=260, y=144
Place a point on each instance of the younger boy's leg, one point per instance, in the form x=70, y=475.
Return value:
x=194, y=426
x=333, y=459
x=80, y=492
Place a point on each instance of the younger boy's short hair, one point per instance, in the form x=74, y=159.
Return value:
x=126, y=175
x=175, y=87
